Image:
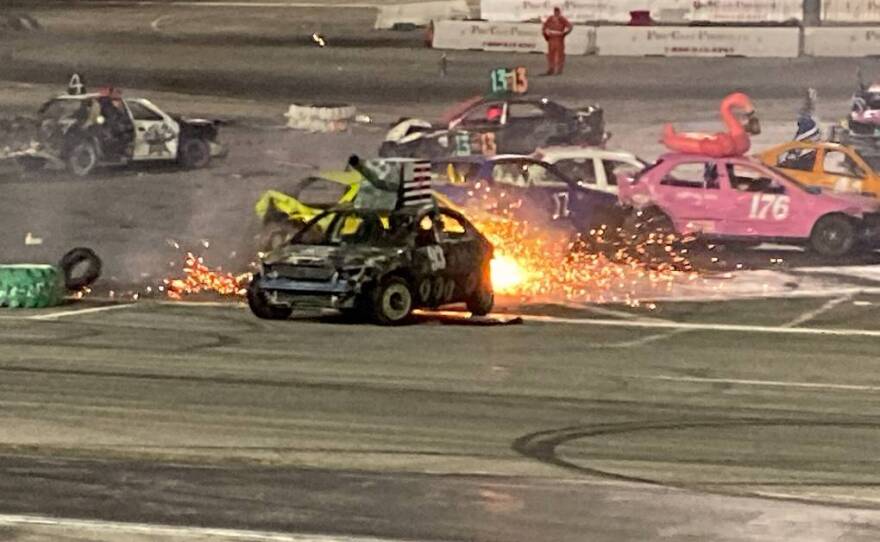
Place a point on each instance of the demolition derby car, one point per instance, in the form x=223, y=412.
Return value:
x=529, y=190
x=82, y=132
x=589, y=166
x=283, y=213
x=496, y=125
x=740, y=200
x=377, y=263
x=840, y=168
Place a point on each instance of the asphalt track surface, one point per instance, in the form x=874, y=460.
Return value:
x=204, y=416
x=744, y=420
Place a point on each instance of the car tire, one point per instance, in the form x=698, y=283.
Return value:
x=833, y=235
x=481, y=302
x=194, y=153
x=81, y=267
x=392, y=302
x=82, y=159
x=646, y=236
x=260, y=306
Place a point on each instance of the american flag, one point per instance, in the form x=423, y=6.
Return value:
x=415, y=188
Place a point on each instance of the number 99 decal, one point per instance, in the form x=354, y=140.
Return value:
x=775, y=205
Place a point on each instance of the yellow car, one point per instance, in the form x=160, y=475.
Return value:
x=828, y=165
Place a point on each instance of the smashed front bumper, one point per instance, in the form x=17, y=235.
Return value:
x=332, y=294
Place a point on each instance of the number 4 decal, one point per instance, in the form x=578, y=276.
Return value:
x=774, y=204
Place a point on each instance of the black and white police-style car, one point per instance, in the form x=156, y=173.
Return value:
x=80, y=132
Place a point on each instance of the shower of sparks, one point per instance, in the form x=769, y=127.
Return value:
x=198, y=278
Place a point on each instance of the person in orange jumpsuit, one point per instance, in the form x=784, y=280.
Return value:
x=555, y=28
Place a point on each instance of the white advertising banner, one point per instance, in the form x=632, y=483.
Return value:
x=517, y=37
x=420, y=13
x=850, y=11
x=697, y=41
x=668, y=11
x=842, y=41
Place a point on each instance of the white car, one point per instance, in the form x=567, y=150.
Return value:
x=81, y=132
x=591, y=166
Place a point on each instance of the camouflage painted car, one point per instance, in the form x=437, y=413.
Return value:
x=378, y=264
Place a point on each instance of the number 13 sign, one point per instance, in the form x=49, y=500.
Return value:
x=509, y=80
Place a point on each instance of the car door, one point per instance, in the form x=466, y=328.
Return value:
x=156, y=134
x=684, y=191
x=531, y=190
x=461, y=247
x=526, y=127
x=757, y=203
x=842, y=171
x=475, y=131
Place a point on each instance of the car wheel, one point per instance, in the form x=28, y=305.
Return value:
x=480, y=303
x=194, y=153
x=833, y=235
x=260, y=306
x=649, y=236
x=392, y=302
x=83, y=159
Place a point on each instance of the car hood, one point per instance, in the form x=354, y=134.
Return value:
x=329, y=256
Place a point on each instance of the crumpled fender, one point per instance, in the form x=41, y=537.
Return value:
x=408, y=130
x=289, y=205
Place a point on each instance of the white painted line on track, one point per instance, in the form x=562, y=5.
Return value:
x=64, y=314
x=762, y=383
x=705, y=327
x=645, y=340
x=809, y=315
x=201, y=533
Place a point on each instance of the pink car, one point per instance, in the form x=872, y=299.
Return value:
x=739, y=199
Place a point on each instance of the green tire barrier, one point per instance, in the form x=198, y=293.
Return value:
x=31, y=286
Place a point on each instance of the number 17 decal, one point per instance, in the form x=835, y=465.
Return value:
x=562, y=210
x=776, y=205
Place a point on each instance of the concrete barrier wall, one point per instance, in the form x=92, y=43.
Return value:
x=667, y=11
x=850, y=11
x=518, y=37
x=697, y=41
x=420, y=13
x=842, y=41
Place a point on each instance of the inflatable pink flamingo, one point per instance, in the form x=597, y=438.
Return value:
x=734, y=142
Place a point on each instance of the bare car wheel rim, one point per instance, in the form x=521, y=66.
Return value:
x=396, y=302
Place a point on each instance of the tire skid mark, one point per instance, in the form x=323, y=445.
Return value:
x=542, y=446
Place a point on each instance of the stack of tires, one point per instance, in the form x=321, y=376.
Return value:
x=31, y=286
x=320, y=118
x=34, y=286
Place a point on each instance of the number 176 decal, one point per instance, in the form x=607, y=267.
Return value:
x=776, y=205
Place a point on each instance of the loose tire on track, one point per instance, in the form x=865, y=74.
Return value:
x=30, y=286
x=80, y=267
x=194, y=154
x=833, y=235
x=260, y=306
x=392, y=302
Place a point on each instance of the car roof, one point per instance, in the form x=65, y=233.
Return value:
x=581, y=151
